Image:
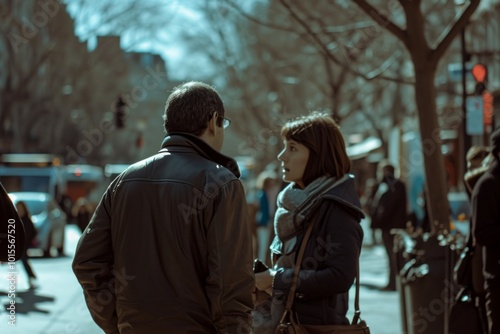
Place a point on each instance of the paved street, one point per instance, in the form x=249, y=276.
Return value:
x=57, y=306
x=380, y=310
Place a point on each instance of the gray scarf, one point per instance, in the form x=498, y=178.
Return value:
x=294, y=206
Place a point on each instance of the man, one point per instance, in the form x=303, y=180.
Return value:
x=169, y=249
x=486, y=229
x=478, y=162
x=388, y=211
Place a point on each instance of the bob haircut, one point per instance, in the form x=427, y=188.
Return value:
x=321, y=135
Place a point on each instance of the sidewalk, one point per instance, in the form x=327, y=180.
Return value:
x=58, y=305
x=380, y=309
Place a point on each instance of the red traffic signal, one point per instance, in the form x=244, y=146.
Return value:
x=479, y=72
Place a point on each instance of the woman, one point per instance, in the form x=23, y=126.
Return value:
x=25, y=216
x=315, y=162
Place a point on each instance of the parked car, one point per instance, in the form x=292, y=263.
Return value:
x=49, y=220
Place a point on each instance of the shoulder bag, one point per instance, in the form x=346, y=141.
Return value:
x=465, y=317
x=462, y=271
x=288, y=323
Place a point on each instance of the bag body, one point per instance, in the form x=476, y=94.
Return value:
x=291, y=326
x=360, y=328
x=464, y=314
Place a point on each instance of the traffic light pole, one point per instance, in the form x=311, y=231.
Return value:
x=466, y=138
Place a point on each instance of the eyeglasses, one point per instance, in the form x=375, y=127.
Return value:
x=225, y=121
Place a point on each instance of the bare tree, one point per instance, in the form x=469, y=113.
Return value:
x=425, y=57
x=52, y=80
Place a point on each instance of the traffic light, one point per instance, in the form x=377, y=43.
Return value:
x=120, y=112
x=480, y=74
x=480, y=88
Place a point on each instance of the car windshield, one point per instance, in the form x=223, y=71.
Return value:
x=35, y=207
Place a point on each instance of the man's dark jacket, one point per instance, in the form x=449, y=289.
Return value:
x=388, y=205
x=169, y=249
x=486, y=219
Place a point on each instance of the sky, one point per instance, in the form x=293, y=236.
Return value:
x=173, y=17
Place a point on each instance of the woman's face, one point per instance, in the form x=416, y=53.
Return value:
x=293, y=161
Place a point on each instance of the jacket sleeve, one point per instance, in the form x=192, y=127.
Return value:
x=92, y=266
x=329, y=267
x=486, y=212
x=231, y=280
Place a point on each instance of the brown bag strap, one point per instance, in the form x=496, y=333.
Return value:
x=293, y=287
x=298, y=262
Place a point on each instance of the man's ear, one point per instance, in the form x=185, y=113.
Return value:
x=212, y=124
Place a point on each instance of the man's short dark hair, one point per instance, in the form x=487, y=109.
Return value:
x=322, y=136
x=190, y=106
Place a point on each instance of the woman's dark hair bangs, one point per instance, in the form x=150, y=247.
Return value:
x=322, y=136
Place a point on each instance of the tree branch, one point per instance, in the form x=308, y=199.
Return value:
x=382, y=20
x=326, y=51
x=453, y=29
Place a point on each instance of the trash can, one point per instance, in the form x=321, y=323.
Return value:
x=404, y=246
x=400, y=284
x=425, y=287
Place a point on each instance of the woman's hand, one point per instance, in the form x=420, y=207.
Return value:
x=264, y=281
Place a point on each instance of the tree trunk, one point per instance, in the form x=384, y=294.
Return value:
x=436, y=189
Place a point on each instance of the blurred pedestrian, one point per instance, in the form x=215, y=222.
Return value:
x=168, y=249
x=321, y=192
x=366, y=199
x=81, y=212
x=475, y=157
x=388, y=211
x=11, y=230
x=486, y=228
x=31, y=233
x=268, y=189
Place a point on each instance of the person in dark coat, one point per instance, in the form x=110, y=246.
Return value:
x=268, y=188
x=315, y=163
x=81, y=212
x=388, y=211
x=31, y=233
x=169, y=247
x=12, y=234
x=478, y=159
x=486, y=230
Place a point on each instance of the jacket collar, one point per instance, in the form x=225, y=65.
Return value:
x=345, y=194
x=202, y=148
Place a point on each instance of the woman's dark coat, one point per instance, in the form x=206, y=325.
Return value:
x=329, y=265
